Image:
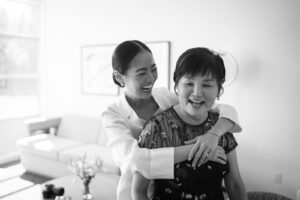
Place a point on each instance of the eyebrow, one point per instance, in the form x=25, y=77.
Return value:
x=142, y=69
x=207, y=80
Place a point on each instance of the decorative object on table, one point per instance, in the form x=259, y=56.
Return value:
x=96, y=67
x=51, y=191
x=86, y=170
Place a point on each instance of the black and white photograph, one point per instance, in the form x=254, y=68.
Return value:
x=149, y=100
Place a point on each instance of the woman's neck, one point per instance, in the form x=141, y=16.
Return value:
x=190, y=119
x=138, y=102
x=144, y=108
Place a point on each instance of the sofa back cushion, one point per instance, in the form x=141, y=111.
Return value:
x=80, y=127
x=102, y=139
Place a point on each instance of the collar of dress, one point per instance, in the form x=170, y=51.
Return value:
x=127, y=111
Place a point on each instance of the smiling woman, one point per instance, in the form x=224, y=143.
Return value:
x=96, y=67
x=135, y=70
x=140, y=76
x=197, y=95
x=198, y=77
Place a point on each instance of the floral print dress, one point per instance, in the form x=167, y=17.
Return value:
x=167, y=129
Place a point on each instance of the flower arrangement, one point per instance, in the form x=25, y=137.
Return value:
x=86, y=170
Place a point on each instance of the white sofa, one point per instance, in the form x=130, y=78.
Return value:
x=54, y=142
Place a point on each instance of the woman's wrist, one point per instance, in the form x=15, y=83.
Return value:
x=214, y=134
x=221, y=126
x=181, y=153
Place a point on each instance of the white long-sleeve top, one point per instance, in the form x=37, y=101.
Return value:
x=123, y=126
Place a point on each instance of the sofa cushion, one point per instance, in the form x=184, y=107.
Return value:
x=80, y=127
x=102, y=139
x=45, y=145
x=92, y=151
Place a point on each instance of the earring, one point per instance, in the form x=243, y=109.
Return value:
x=175, y=90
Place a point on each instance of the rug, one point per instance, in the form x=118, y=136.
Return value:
x=13, y=179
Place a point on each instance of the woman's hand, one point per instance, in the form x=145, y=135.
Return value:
x=218, y=155
x=203, y=147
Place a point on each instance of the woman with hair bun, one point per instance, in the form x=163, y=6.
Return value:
x=134, y=69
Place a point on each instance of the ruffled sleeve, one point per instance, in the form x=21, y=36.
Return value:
x=228, y=142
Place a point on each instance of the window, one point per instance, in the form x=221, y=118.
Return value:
x=19, y=51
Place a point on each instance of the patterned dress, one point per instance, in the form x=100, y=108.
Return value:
x=167, y=129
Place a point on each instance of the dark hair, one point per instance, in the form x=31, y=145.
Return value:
x=201, y=61
x=123, y=55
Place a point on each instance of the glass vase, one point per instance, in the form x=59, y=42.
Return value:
x=86, y=191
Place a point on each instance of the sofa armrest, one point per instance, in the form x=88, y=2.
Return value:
x=43, y=125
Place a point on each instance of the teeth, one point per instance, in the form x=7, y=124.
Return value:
x=147, y=87
x=196, y=101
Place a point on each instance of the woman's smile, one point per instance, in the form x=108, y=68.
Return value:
x=147, y=88
x=196, y=103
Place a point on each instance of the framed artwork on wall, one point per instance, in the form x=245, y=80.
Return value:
x=96, y=67
x=161, y=55
x=96, y=70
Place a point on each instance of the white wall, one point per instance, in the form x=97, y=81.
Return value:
x=263, y=36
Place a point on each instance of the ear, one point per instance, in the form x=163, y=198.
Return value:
x=175, y=89
x=119, y=78
x=220, y=93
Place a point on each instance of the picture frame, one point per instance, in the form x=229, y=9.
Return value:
x=96, y=67
x=96, y=70
x=161, y=54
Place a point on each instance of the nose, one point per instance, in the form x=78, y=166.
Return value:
x=150, y=77
x=197, y=91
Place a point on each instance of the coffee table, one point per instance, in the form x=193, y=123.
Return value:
x=102, y=187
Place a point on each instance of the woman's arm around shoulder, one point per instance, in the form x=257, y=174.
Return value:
x=164, y=97
x=127, y=153
x=154, y=136
x=207, y=143
x=230, y=119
